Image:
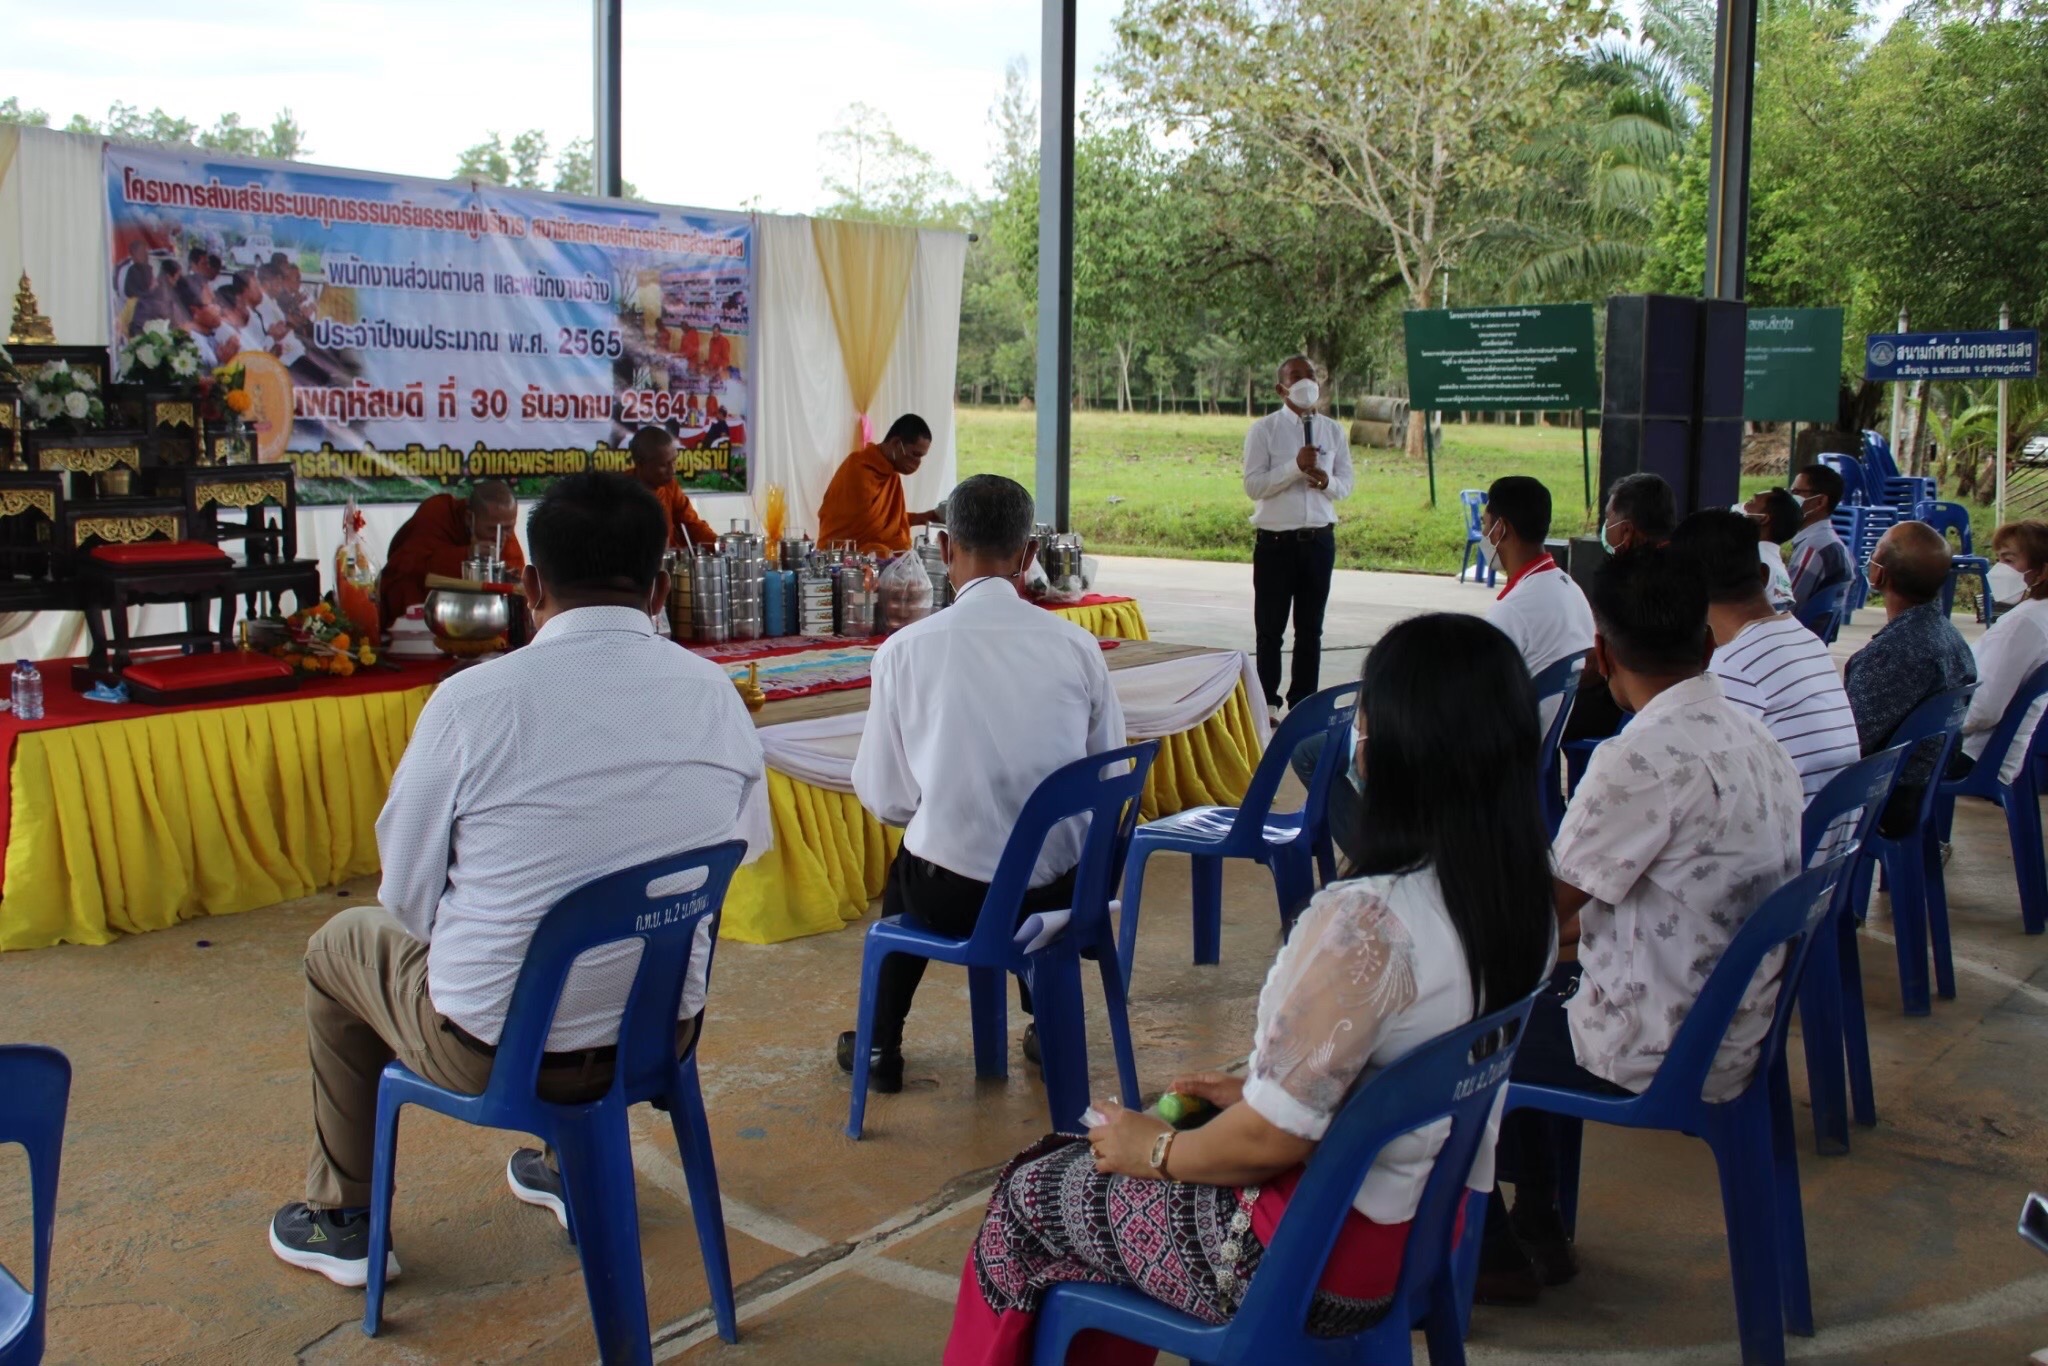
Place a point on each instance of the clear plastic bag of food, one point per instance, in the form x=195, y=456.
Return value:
x=903, y=593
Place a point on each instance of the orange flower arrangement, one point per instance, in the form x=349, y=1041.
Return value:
x=322, y=641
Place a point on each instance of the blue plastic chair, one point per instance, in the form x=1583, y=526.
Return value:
x=1285, y=842
x=1966, y=563
x=1751, y=1135
x=2021, y=801
x=1849, y=807
x=1105, y=789
x=1475, y=503
x=1822, y=613
x=661, y=903
x=1454, y=1075
x=1912, y=873
x=1855, y=483
x=37, y=1084
x=1559, y=680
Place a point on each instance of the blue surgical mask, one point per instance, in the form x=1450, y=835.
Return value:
x=1605, y=544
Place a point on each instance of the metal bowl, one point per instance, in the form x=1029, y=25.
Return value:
x=464, y=617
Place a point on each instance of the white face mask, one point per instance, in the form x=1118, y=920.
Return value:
x=1303, y=393
x=2008, y=585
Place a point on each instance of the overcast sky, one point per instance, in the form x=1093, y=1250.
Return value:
x=723, y=104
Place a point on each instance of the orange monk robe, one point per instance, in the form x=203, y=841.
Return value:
x=434, y=540
x=683, y=518
x=720, y=353
x=864, y=504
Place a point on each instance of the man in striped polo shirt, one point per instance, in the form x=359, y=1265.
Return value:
x=1769, y=665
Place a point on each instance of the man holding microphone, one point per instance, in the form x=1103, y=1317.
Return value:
x=1296, y=466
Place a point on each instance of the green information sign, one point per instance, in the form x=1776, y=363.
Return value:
x=1792, y=366
x=1474, y=359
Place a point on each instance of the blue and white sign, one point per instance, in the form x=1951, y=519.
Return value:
x=2012, y=354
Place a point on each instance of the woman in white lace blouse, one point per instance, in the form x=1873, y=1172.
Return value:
x=1451, y=915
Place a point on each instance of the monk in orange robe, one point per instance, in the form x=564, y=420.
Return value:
x=864, y=502
x=720, y=352
x=654, y=464
x=440, y=536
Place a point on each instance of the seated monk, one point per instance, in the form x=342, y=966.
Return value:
x=864, y=502
x=439, y=537
x=654, y=464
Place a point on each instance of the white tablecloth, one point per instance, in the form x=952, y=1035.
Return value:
x=1158, y=700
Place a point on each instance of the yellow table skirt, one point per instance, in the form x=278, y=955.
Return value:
x=1108, y=621
x=137, y=824
x=830, y=855
x=140, y=823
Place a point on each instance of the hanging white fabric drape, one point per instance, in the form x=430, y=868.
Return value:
x=53, y=224
x=922, y=368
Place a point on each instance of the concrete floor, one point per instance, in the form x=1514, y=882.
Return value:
x=189, y=1122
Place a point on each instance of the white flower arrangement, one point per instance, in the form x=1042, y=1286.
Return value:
x=160, y=355
x=57, y=393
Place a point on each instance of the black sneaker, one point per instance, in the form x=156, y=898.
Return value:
x=885, y=1069
x=319, y=1240
x=535, y=1182
x=1540, y=1228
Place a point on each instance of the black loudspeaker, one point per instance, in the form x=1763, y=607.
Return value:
x=1671, y=401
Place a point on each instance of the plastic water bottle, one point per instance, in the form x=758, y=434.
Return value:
x=28, y=691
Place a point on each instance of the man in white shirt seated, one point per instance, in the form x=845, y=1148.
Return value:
x=1539, y=607
x=598, y=746
x=1769, y=665
x=1685, y=822
x=1777, y=517
x=2015, y=646
x=968, y=711
x=1297, y=468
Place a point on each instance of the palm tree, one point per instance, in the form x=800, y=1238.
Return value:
x=1584, y=221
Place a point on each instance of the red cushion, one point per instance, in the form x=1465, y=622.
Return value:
x=161, y=552
x=206, y=671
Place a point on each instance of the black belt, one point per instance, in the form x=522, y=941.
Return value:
x=581, y=1057
x=1306, y=533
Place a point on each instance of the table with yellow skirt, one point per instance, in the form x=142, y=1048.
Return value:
x=138, y=822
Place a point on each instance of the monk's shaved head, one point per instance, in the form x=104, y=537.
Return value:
x=491, y=493
x=651, y=443
x=1915, y=559
x=492, y=509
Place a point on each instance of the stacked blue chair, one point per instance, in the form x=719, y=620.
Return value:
x=1475, y=503
x=37, y=1084
x=2021, y=801
x=1559, y=680
x=1912, y=869
x=1285, y=842
x=1105, y=789
x=1967, y=563
x=1455, y=1075
x=1861, y=527
x=1845, y=811
x=1823, y=612
x=661, y=903
x=1888, y=485
x=1751, y=1135
x=1855, y=483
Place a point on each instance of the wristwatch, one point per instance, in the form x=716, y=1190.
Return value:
x=1160, y=1147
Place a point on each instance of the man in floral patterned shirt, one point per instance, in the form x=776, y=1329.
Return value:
x=1684, y=823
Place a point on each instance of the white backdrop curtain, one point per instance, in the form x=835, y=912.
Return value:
x=53, y=223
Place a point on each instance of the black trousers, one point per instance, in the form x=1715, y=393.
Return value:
x=1291, y=577
x=1528, y=1151
x=944, y=902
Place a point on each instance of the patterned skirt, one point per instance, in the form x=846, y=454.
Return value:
x=1054, y=1218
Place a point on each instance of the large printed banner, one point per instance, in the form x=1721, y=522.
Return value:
x=399, y=335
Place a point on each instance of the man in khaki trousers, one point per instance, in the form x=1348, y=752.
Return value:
x=596, y=747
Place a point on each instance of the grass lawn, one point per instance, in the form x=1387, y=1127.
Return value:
x=1169, y=485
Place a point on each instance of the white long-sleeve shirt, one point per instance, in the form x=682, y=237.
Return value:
x=1279, y=487
x=597, y=746
x=968, y=711
x=2015, y=646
